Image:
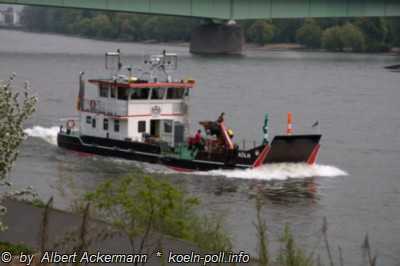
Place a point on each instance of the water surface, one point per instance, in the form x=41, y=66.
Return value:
x=352, y=96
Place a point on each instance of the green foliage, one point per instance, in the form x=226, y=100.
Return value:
x=290, y=254
x=261, y=32
x=261, y=227
x=309, y=34
x=393, y=37
x=352, y=37
x=331, y=39
x=102, y=27
x=209, y=234
x=14, y=111
x=376, y=32
x=15, y=249
x=139, y=205
x=339, y=38
x=108, y=25
x=285, y=30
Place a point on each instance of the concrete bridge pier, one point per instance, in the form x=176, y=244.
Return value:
x=217, y=38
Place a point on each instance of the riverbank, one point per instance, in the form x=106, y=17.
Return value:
x=247, y=46
x=63, y=232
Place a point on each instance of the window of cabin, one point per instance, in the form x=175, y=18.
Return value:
x=94, y=123
x=116, y=125
x=113, y=93
x=140, y=94
x=88, y=119
x=123, y=94
x=175, y=93
x=105, y=124
x=103, y=90
x=141, y=126
x=187, y=92
x=168, y=126
x=157, y=93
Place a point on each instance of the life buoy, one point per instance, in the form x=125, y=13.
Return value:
x=92, y=104
x=70, y=124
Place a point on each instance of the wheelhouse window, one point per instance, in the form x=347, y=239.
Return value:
x=122, y=94
x=157, y=93
x=94, y=123
x=105, y=124
x=88, y=119
x=103, y=90
x=141, y=126
x=140, y=94
x=113, y=93
x=175, y=93
x=116, y=125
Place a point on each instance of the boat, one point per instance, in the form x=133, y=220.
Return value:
x=143, y=115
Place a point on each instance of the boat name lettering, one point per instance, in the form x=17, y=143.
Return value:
x=244, y=155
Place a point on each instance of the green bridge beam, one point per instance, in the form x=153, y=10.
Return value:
x=234, y=9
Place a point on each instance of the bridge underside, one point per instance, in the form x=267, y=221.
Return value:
x=234, y=9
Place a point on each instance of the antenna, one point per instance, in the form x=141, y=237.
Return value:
x=166, y=63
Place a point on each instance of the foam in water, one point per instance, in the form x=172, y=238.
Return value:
x=47, y=134
x=281, y=171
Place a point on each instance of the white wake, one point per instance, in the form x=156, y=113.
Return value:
x=49, y=134
x=281, y=171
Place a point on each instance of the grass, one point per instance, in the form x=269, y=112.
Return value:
x=15, y=249
x=291, y=254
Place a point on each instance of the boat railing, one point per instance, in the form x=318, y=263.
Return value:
x=70, y=126
x=103, y=107
x=246, y=144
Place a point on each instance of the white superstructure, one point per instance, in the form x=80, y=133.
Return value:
x=149, y=108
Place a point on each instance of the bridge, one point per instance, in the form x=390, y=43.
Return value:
x=223, y=37
x=233, y=9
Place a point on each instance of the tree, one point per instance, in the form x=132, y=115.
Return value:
x=394, y=31
x=375, y=31
x=102, y=27
x=261, y=32
x=285, y=29
x=309, y=34
x=140, y=205
x=14, y=111
x=331, y=39
x=352, y=38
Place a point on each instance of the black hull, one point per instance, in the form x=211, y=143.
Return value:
x=75, y=143
x=295, y=149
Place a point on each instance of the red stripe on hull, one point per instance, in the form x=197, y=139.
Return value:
x=313, y=156
x=261, y=158
x=179, y=169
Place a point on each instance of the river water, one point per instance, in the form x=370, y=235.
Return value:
x=355, y=100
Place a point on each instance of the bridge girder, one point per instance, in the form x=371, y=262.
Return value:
x=233, y=9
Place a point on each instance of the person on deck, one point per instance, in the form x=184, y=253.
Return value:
x=197, y=142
